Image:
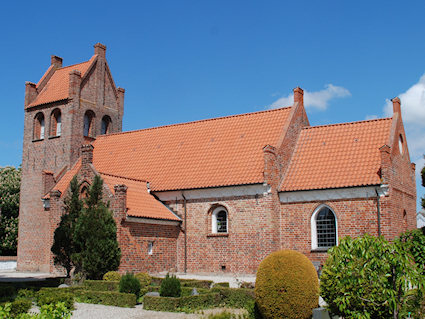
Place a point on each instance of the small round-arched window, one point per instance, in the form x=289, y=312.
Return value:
x=219, y=220
x=89, y=123
x=56, y=123
x=400, y=144
x=106, y=125
x=38, y=133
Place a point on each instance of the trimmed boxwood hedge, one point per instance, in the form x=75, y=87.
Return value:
x=196, y=283
x=110, y=298
x=48, y=296
x=187, y=291
x=235, y=297
x=187, y=303
x=156, y=281
x=102, y=285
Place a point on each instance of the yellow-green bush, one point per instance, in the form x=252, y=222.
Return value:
x=112, y=276
x=144, y=279
x=287, y=286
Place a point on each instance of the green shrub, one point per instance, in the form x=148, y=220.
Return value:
x=287, y=286
x=130, y=284
x=54, y=311
x=53, y=296
x=102, y=285
x=110, y=298
x=112, y=276
x=188, y=303
x=196, y=283
x=187, y=291
x=156, y=281
x=235, y=297
x=144, y=279
x=20, y=305
x=26, y=293
x=221, y=284
x=170, y=287
x=368, y=277
x=7, y=292
x=414, y=242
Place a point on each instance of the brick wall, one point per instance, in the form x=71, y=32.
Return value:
x=94, y=92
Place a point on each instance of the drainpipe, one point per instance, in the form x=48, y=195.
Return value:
x=185, y=234
x=378, y=206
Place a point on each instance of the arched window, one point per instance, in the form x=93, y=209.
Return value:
x=324, y=232
x=106, y=125
x=39, y=126
x=219, y=220
x=84, y=193
x=55, y=123
x=88, y=124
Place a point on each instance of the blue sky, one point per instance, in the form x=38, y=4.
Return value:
x=187, y=60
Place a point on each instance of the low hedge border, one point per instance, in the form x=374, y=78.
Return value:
x=102, y=285
x=109, y=298
x=156, y=281
x=235, y=297
x=187, y=303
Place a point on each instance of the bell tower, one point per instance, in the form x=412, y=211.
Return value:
x=68, y=107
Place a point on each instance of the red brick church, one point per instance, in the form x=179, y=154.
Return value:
x=208, y=196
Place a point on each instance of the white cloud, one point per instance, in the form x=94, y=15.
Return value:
x=413, y=114
x=319, y=99
x=371, y=117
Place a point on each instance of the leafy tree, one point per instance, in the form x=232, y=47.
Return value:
x=95, y=236
x=63, y=241
x=368, y=277
x=10, y=183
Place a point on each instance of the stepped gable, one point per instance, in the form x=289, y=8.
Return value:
x=139, y=202
x=339, y=155
x=209, y=153
x=57, y=88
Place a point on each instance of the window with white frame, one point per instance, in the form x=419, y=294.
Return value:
x=219, y=220
x=324, y=231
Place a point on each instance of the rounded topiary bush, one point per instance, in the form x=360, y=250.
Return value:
x=170, y=287
x=112, y=276
x=287, y=286
x=144, y=279
x=130, y=284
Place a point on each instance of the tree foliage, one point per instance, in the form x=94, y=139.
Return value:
x=368, y=277
x=95, y=236
x=63, y=241
x=10, y=183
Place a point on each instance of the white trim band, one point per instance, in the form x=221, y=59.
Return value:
x=333, y=194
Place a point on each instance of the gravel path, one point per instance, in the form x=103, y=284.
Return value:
x=90, y=311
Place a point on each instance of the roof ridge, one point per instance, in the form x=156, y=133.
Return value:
x=347, y=123
x=123, y=177
x=196, y=121
x=75, y=64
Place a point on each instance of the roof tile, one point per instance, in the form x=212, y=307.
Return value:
x=57, y=88
x=340, y=155
x=216, y=152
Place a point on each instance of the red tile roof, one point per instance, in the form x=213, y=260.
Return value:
x=215, y=152
x=340, y=155
x=63, y=183
x=57, y=88
x=139, y=202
